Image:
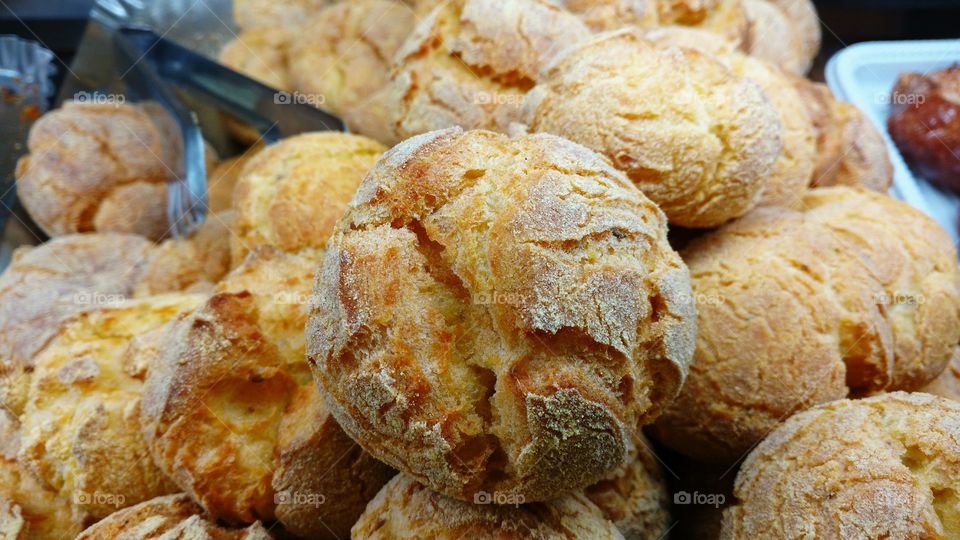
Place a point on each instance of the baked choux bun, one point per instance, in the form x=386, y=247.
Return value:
x=94, y=167
x=192, y=264
x=858, y=294
x=724, y=17
x=696, y=138
x=785, y=33
x=291, y=193
x=80, y=432
x=47, y=285
x=794, y=167
x=261, y=54
x=344, y=55
x=231, y=413
x=635, y=496
x=883, y=467
x=468, y=63
x=28, y=510
x=499, y=314
x=170, y=516
x=947, y=384
x=252, y=14
x=223, y=179
x=405, y=509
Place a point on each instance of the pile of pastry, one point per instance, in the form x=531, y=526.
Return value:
x=484, y=331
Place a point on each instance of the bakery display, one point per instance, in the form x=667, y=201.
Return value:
x=233, y=384
x=170, y=516
x=405, y=509
x=580, y=269
x=499, y=314
x=697, y=139
x=884, y=467
x=290, y=194
x=858, y=293
x=923, y=123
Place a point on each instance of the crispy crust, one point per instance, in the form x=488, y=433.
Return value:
x=262, y=55
x=805, y=21
x=170, y=516
x=884, y=467
x=273, y=14
x=233, y=384
x=860, y=293
x=469, y=62
x=85, y=161
x=291, y=194
x=773, y=37
x=701, y=150
x=46, y=286
x=405, y=509
x=724, y=17
x=947, y=384
x=346, y=55
x=80, y=433
x=635, y=496
x=499, y=314
x=603, y=15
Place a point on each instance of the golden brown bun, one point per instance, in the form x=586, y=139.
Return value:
x=772, y=37
x=727, y=18
x=29, y=510
x=80, y=431
x=883, y=467
x=468, y=63
x=405, y=509
x=603, y=15
x=167, y=517
x=97, y=167
x=499, y=314
x=253, y=14
x=262, y=55
x=947, y=384
x=223, y=180
x=805, y=22
x=192, y=264
x=697, y=139
x=860, y=293
x=344, y=55
x=46, y=286
x=292, y=193
x=793, y=170
x=635, y=496
x=234, y=384
x=850, y=149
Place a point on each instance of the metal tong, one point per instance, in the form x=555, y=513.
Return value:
x=148, y=61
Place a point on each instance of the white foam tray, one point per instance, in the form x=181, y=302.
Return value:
x=864, y=74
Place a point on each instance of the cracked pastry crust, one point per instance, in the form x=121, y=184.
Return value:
x=785, y=33
x=291, y=194
x=262, y=55
x=850, y=149
x=346, y=54
x=947, y=384
x=695, y=138
x=95, y=167
x=405, y=509
x=234, y=384
x=499, y=314
x=635, y=496
x=858, y=294
x=169, y=516
x=883, y=467
x=268, y=14
x=80, y=433
x=468, y=63
x=29, y=510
